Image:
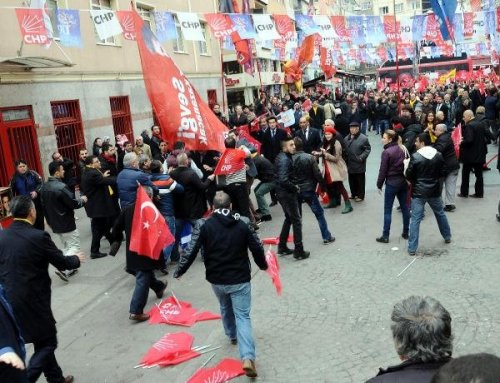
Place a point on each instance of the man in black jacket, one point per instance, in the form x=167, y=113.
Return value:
x=307, y=176
x=265, y=174
x=69, y=171
x=472, y=155
x=310, y=137
x=59, y=206
x=226, y=239
x=25, y=255
x=288, y=196
x=425, y=172
x=271, y=139
x=317, y=115
x=444, y=145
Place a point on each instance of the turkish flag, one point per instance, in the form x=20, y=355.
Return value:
x=231, y=161
x=182, y=114
x=150, y=233
x=273, y=269
x=226, y=369
x=127, y=23
x=170, y=346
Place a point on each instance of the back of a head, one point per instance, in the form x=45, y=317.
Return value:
x=54, y=167
x=230, y=143
x=128, y=159
x=179, y=145
x=475, y=368
x=20, y=206
x=155, y=167
x=222, y=200
x=182, y=159
x=299, y=145
x=421, y=328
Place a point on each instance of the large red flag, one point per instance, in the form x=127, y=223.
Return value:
x=273, y=269
x=220, y=24
x=284, y=26
x=456, y=137
x=150, y=233
x=127, y=23
x=326, y=63
x=226, y=370
x=243, y=132
x=170, y=346
x=339, y=25
x=306, y=51
x=230, y=162
x=182, y=114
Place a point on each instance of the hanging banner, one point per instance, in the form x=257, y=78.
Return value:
x=243, y=25
x=405, y=28
x=127, y=24
x=325, y=26
x=339, y=25
x=42, y=4
x=189, y=118
x=284, y=26
x=356, y=28
x=432, y=32
x=265, y=28
x=418, y=27
x=458, y=28
x=306, y=24
x=220, y=24
x=68, y=26
x=468, y=24
x=165, y=26
x=32, y=26
x=391, y=28
x=375, y=32
x=489, y=22
x=106, y=24
x=190, y=26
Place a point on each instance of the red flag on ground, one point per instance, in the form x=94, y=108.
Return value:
x=32, y=25
x=456, y=137
x=150, y=232
x=231, y=161
x=171, y=311
x=273, y=269
x=127, y=23
x=169, y=347
x=181, y=112
x=226, y=370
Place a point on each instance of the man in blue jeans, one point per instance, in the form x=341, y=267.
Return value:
x=306, y=175
x=226, y=238
x=426, y=172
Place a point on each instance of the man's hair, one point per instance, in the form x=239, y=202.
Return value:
x=424, y=138
x=83, y=150
x=90, y=159
x=285, y=141
x=480, y=109
x=441, y=127
x=182, y=159
x=230, y=142
x=222, y=200
x=129, y=159
x=143, y=158
x=19, y=162
x=179, y=145
x=148, y=190
x=106, y=146
x=475, y=368
x=329, y=122
x=155, y=167
x=299, y=145
x=54, y=166
x=54, y=153
x=421, y=328
x=20, y=206
x=271, y=118
x=469, y=113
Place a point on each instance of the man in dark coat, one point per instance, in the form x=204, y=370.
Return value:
x=421, y=328
x=472, y=155
x=101, y=207
x=310, y=137
x=69, y=170
x=317, y=115
x=25, y=255
x=271, y=141
x=444, y=145
x=153, y=141
x=238, y=118
x=139, y=265
x=358, y=149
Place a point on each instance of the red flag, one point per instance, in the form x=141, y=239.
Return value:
x=32, y=26
x=180, y=358
x=382, y=53
x=391, y=29
x=220, y=24
x=432, y=31
x=226, y=370
x=170, y=346
x=339, y=25
x=244, y=133
x=284, y=26
x=498, y=19
x=180, y=313
x=150, y=233
x=326, y=63
x=127, y=22
x=456, y=137
x=230, y=162
x=206, y=315
x=306, y=51
x=273, y=269
x=182, y=114
x=475, y=5
x=468, y=24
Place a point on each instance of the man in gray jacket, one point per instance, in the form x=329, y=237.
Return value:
x=358, y=149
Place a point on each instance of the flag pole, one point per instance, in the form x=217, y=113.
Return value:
x=222, y=78
x=397, y=55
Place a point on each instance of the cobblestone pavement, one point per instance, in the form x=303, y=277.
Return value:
x=332, y=322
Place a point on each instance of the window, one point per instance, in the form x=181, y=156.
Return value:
x=398, y=7
x=415, y=4
x=179, y=41
x=146, y=14
x=366, y=5
x=103, y=4
x=52, y=8
x=203, y=46
x=384, y=10
x=120, y=113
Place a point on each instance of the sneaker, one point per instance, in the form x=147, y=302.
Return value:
x=62, y=274
x=139, y=317
x=328, y=241
x=284, y=251
x=412, y=253
x=299, y=255
x=249, y=368
x=450, y=208
x=382, y=239
x=266, y=217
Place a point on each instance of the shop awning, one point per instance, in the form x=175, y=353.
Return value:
x=31, y=62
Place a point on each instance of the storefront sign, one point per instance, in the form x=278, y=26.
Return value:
x=232, y=81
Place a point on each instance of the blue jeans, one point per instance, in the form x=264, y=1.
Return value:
x=260, y=195
x=382, y=126
x=170, y=220
x=235, y=302
x=391, y=192
x=312, y=200
x=179, y=224
x=364, y=126
x=144, y=280
x=417, y=214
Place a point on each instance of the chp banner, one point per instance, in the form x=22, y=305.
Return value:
x=68, y=26
x=190, y=26
x=182, y=114
x=165, y=26
x=265, y=28
x=105, y=22
x=127, y=24
x=32, y=26
x=230, y=162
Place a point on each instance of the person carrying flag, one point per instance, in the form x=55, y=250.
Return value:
x=226, y=238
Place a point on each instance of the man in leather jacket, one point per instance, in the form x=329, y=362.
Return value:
x=307, y=176
x=426, y=172
x=59, y=206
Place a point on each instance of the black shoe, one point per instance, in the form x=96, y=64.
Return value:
x=62, y=274
x=266, y=217
x=115, y=246
x=301, y=254
x=98, y=255
x=462, y=195
x=476, y=196
x=159, y=293
x=486, y=169
x=447, y=240
x=498, y=217
x=273, y=203
x=164, y=271
x=234, y=341
x=450, y=208
x=284, y=251
x=404, y=235
x=412, y=253
x=328, y=241
x=382, y=239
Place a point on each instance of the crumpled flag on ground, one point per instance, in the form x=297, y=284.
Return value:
x=181, y=313
x=172, y=348
x=227, y=369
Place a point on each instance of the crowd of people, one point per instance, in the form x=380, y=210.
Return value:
x=312, y=161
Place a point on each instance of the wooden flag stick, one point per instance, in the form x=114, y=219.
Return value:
x=175, y=299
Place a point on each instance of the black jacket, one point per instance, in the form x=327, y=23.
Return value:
x=96, y=187
x=25, y=255
x=191, y=204
x=410, y=136
x=306, y=173
x=271, y=146
x=358, y=150
x=313, y=141
x=235, y=120
x=59, y=205
x=425, y=172
x=408, y=372
x=283, y=172
x=444, y=145
x=317, y=119
x=226, y=240
x=10, y=336
x=265, y=169
x=473, y=146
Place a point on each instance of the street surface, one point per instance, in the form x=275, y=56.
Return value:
x=332, y=323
